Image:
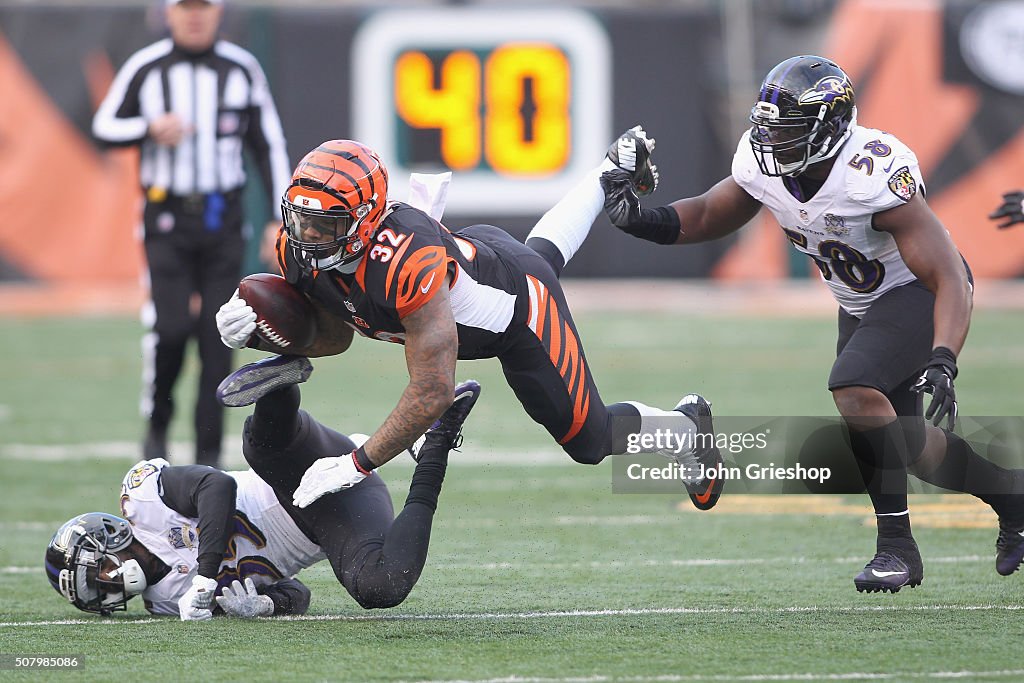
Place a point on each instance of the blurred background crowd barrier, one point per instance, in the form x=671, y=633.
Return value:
x=519, y=100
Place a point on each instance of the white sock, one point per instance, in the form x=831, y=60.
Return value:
x=568, y=222
x=655, y=420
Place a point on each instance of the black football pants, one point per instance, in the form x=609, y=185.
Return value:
x=376, y=556
x=186, y=260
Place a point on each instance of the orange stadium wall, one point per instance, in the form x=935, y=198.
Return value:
x=910, y=64
x=70, y=210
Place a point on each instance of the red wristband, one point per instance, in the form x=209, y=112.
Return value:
x=362, y=461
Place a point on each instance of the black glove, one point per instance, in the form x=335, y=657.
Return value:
x=1012, y=210
x=620, y=200
x=937, y=380
x=660, y=225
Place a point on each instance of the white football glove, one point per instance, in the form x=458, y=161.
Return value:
x=236, y=321
x=246, y=603
x=327, y=475
x=196, y=604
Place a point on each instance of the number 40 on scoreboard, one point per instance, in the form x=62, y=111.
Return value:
x=515, y=103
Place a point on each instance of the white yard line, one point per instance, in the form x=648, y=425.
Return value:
x=561, y=614
x=182, y=453
x=615, y=565
x=629, y=564
x=683, y=678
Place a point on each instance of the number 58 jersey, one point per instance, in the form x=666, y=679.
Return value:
x=873, y=172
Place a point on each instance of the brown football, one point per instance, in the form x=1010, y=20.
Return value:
x=284, y=316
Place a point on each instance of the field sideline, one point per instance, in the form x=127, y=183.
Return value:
x=537, y=572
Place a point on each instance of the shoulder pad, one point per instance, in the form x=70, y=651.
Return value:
x=745, y=170
x=895, y=177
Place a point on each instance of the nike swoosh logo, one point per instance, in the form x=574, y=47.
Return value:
x=883, y=575
x=426, y=288
x=886, y=169
x=706, y=496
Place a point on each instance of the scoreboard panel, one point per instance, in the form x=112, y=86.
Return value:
x=517, y=104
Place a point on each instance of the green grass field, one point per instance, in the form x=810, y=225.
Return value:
x=537, y=571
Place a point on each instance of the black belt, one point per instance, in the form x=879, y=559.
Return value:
x=194, y=203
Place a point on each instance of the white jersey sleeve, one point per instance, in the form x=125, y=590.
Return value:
x=873, y=172
x=169, y=535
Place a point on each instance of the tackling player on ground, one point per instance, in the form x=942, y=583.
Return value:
x=852, y=198
x=190, y=534
x=394, y=273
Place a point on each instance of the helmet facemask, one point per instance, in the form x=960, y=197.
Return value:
x=84, y=565
x=325, y=238
x=803, y=116
x=334, y=205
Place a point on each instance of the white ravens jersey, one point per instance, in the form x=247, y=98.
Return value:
x=873, y=172
x=265, y=544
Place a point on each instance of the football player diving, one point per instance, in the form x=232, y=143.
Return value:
x=853, y=199
x=392, y=272
x=193, y=540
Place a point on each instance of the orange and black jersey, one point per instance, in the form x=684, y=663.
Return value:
x=405, y=265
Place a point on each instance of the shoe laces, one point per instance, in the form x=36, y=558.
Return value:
x=887, y=561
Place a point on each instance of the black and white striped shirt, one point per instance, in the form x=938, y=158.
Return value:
x=221, y=96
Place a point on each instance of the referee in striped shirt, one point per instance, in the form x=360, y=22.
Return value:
x=192, y=102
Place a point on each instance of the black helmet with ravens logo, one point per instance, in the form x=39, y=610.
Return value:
x=804, y=113
x=83, y=563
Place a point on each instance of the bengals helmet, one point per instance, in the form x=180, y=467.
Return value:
x=804, y=114
x=83, y=563
x=334, y=204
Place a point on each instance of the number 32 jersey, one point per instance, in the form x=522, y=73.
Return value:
x=873, y=172
x=405, y=265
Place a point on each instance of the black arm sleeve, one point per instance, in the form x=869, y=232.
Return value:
x=259, y=147
x=660, y=225
x=290, y=596
x=209, y=496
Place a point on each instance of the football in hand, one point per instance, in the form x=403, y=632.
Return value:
x=284, y=316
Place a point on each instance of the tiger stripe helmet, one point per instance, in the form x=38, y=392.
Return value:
x=335, y=203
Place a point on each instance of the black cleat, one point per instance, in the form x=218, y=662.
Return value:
x=632, y=153
x=447, y=430
x=1009, y=548
x=895, y=565
x=704, y=492
x=251, y=382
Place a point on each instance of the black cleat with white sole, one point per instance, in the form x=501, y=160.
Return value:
x=895, y=565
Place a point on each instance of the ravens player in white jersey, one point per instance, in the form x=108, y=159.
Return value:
x=852, y=198
x=394, y=273
x=190, y=534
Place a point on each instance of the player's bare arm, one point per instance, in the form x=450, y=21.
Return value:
x=431, y=350
x=929, y=252
x=720, y=211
